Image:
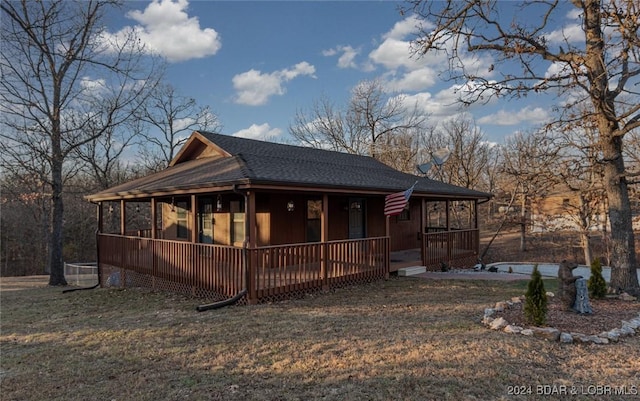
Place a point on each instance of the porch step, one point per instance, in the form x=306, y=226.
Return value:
x=410, y=271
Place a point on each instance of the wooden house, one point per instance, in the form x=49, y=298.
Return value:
x=232, y=214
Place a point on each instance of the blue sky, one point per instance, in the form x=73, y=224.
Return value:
x=256, y=63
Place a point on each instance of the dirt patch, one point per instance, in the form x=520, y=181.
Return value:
x=23, y=282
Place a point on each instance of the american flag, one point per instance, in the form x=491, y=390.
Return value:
x=395, y=203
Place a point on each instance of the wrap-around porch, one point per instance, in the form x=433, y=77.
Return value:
x=236, y=216
x=142, y=257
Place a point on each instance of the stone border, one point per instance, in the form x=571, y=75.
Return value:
x=628, y=328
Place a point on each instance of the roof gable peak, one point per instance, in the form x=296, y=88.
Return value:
x=196, y=147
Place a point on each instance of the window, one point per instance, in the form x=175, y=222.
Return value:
x=181, y=220
x=314, y=225
x=404, y=215
x=237, y=222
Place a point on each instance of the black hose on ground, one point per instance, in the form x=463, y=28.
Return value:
x=221, y=304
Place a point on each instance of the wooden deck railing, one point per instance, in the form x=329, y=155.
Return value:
x=449, y=247
x=274, y=271
x=296, y=268
x=210, y=267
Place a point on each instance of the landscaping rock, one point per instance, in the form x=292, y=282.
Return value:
x=500, y=306
x=585, y=339
x=611, y=335
x=511, y=329
x=527, y=332
x=633, y=323
x=626, y=330
x=627, y=297
x=548, y=333
x=498, y=323
x=580, y=338
x=566, y=338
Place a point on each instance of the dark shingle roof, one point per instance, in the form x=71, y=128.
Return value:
x=258, y=162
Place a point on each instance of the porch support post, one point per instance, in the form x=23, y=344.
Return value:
x=194, y=219
x=154, y=235
x=448, y=207
x=447, y=211
x=324, y=238
x=100, y=216
x=251, y=241
x=387, y=233
x=477, y=226
x=423, y=242
x=123, y=231
x=154, y=218
x=475, y=213
x=123, y=217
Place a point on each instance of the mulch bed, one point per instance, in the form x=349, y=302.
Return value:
x=607, y=315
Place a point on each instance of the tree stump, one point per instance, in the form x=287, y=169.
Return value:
x=566, y=283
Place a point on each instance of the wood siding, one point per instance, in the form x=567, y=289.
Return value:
x=405, y=233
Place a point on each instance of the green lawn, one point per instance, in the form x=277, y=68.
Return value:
x=401, y=339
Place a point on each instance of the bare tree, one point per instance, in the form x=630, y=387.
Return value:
x=372, y=123
x=470, y=153
x=529, y=161
x=25, y=202
x=600, y=70
x=64, y=84
x=581, y=174
x=170, y=118
x=102, y=158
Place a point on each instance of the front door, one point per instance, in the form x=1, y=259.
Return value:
x=356, y=218
x=205, y=220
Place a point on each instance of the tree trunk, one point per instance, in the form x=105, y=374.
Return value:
x=523, y=225
x=56, y=272
x=623, y=262
x=584, y=239
x=623, y=254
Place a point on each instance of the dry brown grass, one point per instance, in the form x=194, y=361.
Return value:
x=401, y=339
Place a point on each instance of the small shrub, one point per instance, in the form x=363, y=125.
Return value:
x=535, y=304
x=596, y=284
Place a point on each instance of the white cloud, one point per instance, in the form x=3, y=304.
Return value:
x=411, y=72
x=411, y=81
x=164, y=27
x=509, y=117
x=394, y=53
x=263, y=132
x=407, y=26
x=572, y=33
x=444, y=103
x=347, y=57
x=255, y=87
x=95, y=86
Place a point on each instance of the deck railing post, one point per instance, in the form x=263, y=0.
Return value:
x=251, y=265
x=450, y=237
x=387, y=257
x=324, y=258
